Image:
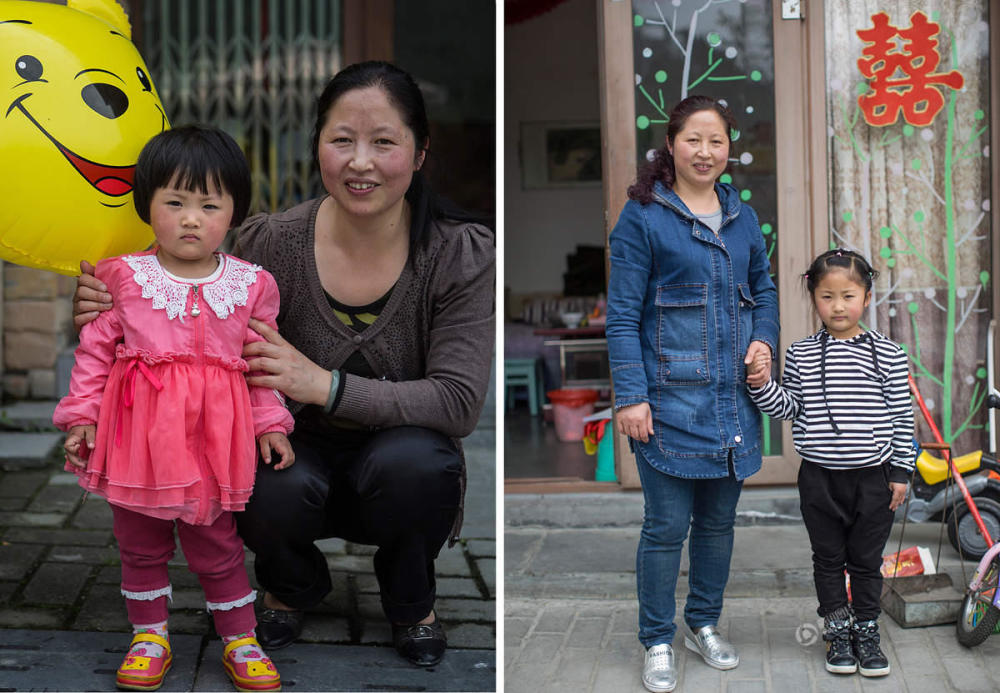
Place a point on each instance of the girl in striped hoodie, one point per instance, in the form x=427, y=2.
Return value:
x=845, y=390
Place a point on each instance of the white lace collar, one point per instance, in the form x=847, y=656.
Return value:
x=222, y=290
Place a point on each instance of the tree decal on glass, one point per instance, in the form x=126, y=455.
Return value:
x=723, y=49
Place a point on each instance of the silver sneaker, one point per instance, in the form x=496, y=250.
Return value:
x=713, y=648
x=659, y=674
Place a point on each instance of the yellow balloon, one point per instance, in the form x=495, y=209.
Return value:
x=77, y=106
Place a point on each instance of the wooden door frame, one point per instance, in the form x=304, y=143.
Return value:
x=800, y=154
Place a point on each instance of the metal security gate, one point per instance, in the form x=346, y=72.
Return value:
x=253, y=68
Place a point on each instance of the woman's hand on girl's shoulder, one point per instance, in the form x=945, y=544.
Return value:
x=91, y=297
x=275, y=363
x=277, y=442
x=635, y=421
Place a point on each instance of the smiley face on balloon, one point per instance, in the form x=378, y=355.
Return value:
x=76, y=107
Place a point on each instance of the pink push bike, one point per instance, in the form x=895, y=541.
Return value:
x=979, y=616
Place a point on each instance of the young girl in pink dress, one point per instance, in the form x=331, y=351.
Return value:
x=161, y=422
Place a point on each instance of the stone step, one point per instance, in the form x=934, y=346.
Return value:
x=27, y=450
x=30, y=415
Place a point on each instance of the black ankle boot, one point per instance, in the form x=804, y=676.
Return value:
x=865, y=644
x=840, y=658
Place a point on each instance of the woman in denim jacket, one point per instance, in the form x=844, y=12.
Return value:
x=690, y=304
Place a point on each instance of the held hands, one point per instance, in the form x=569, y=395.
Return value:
x=90, y=298
x=898, y=489
x=758, y=363
x=635, y=421
x=284, y=367
x=79, y=436
x=277, y=442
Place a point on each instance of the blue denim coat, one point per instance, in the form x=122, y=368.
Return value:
x=683, y=306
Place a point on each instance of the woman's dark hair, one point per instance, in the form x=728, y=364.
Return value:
x=661, y=168
x=405, y=96
x=858, y=268
x=190, y=156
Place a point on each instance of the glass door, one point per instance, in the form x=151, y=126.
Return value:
x=741, y=52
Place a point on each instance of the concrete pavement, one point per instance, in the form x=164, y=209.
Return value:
x=570, y=614
x=62, y=618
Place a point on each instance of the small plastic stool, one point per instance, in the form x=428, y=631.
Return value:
x=523, y=372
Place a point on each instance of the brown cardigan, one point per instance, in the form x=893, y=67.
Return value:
x=432, y=344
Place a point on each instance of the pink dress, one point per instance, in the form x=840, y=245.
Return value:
x=162, y=376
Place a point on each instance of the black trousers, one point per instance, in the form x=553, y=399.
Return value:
x=846, y=513
x=398, y=488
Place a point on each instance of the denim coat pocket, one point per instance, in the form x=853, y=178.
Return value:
x=682, y=334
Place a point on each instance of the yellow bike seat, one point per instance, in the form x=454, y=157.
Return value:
x=934, y=470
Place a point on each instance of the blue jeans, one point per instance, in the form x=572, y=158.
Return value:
x=673, y=504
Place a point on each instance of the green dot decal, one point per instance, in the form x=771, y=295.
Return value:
x=984, y=278
x=714, y=39
x=980, y=372
x=935, y=16
x=886, y=252
x=890, y=263
x=979, y=115
x=912, y=307
x=660, y=76
x=725, y=178
x=766, y=229
x=755, y=75
x=885, y=232
x=847, y=216
x=918, y=216
x=916, y=163
x=907, y=130
x=744, y=195
x=642, y=122
x=638, y=20
x=734, y=134
x=861, y=88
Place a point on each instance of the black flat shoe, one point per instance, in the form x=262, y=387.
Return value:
x=277, y=629
x=421, y=644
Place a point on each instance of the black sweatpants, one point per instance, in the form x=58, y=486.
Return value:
x=846, y=513
x=398, y=488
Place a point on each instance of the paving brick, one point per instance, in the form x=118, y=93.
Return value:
x=481, y=548
x=30, y=519
x=535, y=663
x=7, y=589
x=556, y=619
x=453, y=562
x=746, y=686
x=56, y=583
x=104, y=610
x=15, y=561
x=515, y=630
x=472, y=636
x=587, y=632
x=454, y=609
x=24, y=535
x=325, y=627
x=789, y=675
x=31, y=618
x=487, y=568
x=12, y=504
x=94, y=513
x=22, y=484
x=57, y=499
x=576, y=667
x=93, y=555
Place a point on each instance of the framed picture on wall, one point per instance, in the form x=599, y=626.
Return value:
x=560, y=154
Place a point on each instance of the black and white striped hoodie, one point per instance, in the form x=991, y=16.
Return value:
x=849, y=402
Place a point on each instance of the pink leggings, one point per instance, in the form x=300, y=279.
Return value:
x=213, y=552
